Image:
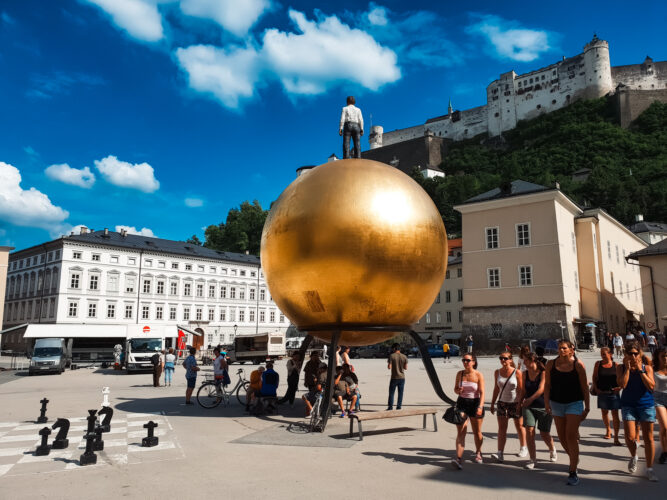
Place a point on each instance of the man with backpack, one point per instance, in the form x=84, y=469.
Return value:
x=156, y=360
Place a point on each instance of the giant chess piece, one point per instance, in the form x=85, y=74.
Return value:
x=43, y=448
x=92, y=419
x=150, y=440
x=107, y=411
x=61, y=442
x=88, y=457
x=98, y=444
x=42, y=412
x=105, y=397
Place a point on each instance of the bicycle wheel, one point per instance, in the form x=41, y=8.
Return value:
x=242, y=393
x=208, y=396
x=315, y=417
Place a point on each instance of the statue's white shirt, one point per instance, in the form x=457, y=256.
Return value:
x=351, y=114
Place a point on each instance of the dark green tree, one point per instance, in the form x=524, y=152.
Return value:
x=241, y=231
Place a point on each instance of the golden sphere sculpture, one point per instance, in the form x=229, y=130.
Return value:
x=354, y=243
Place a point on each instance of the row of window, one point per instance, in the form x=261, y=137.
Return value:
x=32, y=283
x=618, y=256
x=525, y=276
x=448, y=296
x=438, y=317
x=624, y=294
x=162, y=264
x=522, y=235
x=32, y=309
x=159, y=286
x=161, y=312
x=33, y=261
x=459, y=273
x=496, y=330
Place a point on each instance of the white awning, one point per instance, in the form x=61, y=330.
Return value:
x=39, y=331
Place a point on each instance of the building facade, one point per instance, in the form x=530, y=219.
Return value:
x=536, y=266
x=4, y=262
x=515, y=97
x=652, y=263
x=104, y=277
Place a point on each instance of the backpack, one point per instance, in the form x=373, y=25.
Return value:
x=155, y=359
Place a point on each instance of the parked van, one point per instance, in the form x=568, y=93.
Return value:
x=51, y=355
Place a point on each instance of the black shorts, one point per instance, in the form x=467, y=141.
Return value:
x=469, y=407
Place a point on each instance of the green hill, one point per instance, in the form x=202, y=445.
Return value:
x=628, y=166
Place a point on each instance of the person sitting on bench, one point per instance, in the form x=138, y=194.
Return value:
x=342, y=391
x=270, y=381
x=255, y=387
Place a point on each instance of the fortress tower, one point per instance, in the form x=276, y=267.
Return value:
x=598, y=69
x=375, y=137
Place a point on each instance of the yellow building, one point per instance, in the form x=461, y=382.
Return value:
x=4, y=263
x=652, y=262
x=536, y=266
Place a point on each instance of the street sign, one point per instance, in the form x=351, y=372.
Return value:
x=147, y=329
x=650, y=325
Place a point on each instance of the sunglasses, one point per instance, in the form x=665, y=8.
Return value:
x=504, y=358
x=467, y=360
x=634, y=353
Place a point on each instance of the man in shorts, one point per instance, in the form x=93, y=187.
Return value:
x=191, y=369
x=445, y=351
x=618, y=345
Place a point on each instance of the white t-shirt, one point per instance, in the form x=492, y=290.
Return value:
x=651, y=339
x=618, y=341
x=218, y=366
x=170, y=358
x=630, y=337
x=351, y=114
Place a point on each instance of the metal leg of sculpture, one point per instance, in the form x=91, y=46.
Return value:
x=304, y=348
x=331, y=372
x=430, y=369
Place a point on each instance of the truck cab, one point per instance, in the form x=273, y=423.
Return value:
x=139, y=351
x=50, y=355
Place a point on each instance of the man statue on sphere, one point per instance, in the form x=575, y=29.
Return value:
x=351, y=125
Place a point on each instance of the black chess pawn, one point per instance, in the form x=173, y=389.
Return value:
x=88, y=457
x=150, y=440
x=43, y=448
x=61, y=442
x=42, y=412
x=98, y=444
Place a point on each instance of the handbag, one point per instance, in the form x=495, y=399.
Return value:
x=452, y=414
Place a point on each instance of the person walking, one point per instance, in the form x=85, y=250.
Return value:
x=469, y=386
x=534, y=412
x=445, y=351
x=606, y=388
x=191, y=369
x=345, y=356
x=635, y=378
x=523, y=352
x=397, y=363
x=219, y=366
x=651, y=343
x=469, y=343
x=351, y=126
x=508, y=391
x=567, y=399
x=156, y=360
x=293, y=370
x=660, y=397
x=169, y=365
x=618, y=345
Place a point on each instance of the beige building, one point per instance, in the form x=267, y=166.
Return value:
x=4, y=263
x=444, y=320
x=536, y=266
x=652, y=262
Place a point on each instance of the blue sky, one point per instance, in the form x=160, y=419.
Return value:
x=161, y=115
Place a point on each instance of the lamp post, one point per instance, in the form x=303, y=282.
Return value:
x=235, y=328
x=562, y=329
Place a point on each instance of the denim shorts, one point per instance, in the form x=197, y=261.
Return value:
x=660, y=399
x=630, y=413
x=609, y=401
x=562, y=409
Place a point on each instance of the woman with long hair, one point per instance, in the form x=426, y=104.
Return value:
x=660, y=397
x=470, y=388
x=508, y=390
x=567, y=399
x=523, y=352
x=635, y=378
x=606, y=389
x=534, y=414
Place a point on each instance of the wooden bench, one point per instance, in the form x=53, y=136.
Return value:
x=377, y=415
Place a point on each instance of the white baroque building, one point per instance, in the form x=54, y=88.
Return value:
x=105, y=277
x=515, y=97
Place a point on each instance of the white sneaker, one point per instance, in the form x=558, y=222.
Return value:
x=632, y=465
x=530, y=465
x=553, y=456
x=523, y=452
x=498, y=456
x=651, y=475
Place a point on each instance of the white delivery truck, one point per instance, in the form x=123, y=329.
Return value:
x=143, y=341
x=50, y=356
x=257, y=348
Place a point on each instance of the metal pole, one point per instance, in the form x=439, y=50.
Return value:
x=331, y=371
x=430, y=369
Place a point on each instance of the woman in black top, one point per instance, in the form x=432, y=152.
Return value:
x=606, y=388
x=567, y=398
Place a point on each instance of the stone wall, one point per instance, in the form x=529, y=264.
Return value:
x=477, y=322
x=631, y=103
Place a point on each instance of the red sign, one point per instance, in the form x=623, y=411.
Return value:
x=181, y=339
x=147, y=329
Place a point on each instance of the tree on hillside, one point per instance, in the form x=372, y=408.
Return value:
x=241, y=231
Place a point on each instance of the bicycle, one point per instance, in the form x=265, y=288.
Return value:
x=317, y=420
x=212, y=392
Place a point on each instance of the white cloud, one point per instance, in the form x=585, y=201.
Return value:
x=377, y=15
x=30, y=207
x=144, y=231
x=121, y=173
x=46, y=86
x=194, y=202
x=509, y=41
x=77, y=177
x=30, y=151
x=234, y=16
x=227, y=74
x=140, y=18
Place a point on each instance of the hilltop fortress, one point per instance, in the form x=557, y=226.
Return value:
x=513, y=97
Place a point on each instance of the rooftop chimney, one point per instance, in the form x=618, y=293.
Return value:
x=106, y=231
x=639, y=218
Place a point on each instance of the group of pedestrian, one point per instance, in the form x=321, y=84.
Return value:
x=163, y=362
x=535, y=395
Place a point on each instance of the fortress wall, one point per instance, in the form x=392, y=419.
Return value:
x=632, y=103
x=403, y=134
